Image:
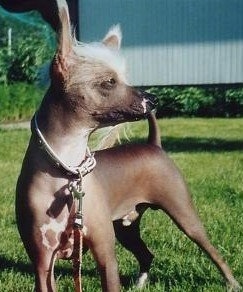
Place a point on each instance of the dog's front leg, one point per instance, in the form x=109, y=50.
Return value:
x=39, y=233
x=102, y=246
x=108, y=268
x=42, y=257
x=44, y=274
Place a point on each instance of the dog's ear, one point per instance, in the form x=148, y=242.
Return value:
x=113, y=38
x=65, y=42
x=64, y=35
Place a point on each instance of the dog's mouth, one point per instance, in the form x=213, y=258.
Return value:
x=114, y=117
x=137, y=110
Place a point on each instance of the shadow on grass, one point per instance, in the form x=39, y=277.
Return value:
x=191, y=144
x=168, y=281
x=26, y=268
x=178, y=280
x=127, y=281
x=9, y=264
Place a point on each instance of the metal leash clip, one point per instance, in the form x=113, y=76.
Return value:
x=75, y=188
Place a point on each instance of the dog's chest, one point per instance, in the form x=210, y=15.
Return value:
x=51, y=232
x=57, y=235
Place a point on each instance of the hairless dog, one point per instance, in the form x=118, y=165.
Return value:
x=88, y=90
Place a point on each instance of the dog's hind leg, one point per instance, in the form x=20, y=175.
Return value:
x=178, y=205
x=193, y=228
x=129, y=237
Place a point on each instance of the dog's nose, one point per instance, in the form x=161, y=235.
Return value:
x=149, y=100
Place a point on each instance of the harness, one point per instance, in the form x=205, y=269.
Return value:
x=76, y=175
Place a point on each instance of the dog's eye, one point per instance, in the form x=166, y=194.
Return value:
x=112, y=81
x=108, y=84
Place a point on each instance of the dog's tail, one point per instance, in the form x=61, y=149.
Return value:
x=154, y=131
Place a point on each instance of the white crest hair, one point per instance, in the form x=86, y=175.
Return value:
x=108, y=137
x=94, y=52
x=98, y=52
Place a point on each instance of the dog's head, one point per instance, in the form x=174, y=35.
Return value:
x=91, y=80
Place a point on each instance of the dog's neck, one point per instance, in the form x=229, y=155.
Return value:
x=67, y=138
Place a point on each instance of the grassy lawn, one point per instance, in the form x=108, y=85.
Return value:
x=209, y=153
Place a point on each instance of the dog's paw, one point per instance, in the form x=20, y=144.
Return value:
x=234, y=286
x=142, y=280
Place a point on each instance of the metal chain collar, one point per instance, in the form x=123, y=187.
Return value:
x=84, y=168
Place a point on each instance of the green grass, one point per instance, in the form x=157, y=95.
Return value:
x=209, y=153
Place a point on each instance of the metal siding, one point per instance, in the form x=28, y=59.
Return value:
x=172, y=41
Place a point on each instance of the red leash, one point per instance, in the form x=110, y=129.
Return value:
x=77, y=257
